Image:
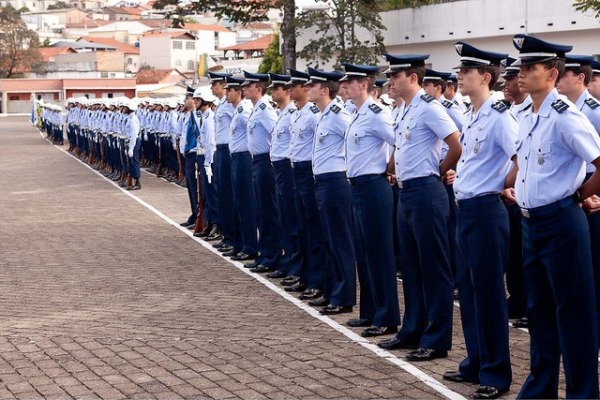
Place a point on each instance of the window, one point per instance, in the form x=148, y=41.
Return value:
x=189, y=45
x=112, y=75
x=103, y=74
x=190, y=65
x=129, y=60
x=13, y=98
x=177, y=45
x=178, y=63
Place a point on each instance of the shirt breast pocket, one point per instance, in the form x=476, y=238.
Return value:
x=251, y=127
x=408, y=130
x=357, y=137
x=322, y=134
x=479, y=141
x=544, y=157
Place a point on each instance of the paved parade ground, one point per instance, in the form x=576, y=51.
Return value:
x=103, y=295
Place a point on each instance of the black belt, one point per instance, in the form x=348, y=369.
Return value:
x=548, y=209
x=412, y=183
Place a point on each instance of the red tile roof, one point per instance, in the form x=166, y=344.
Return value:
x=88, y=23
x=125, y=10
x=156, y=23
x=48, y=53
x=203, y=27
x=259, y=44
x=154, y=76
x=124, y=47
x=173, y=35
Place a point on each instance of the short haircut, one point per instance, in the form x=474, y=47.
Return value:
x=494, y=72
x=263, y=86
x=557, y=63
x=334, y=88
x=454, y=84
x=419, y=71
x=441, y=83
x=586, y=70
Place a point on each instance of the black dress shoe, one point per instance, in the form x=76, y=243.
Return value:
x=243, y=257
x=358, y=322
x=310, y=294
x=422, y=354
x=521, y=323
x=290, y=280
x=226, y=248
x=456, y=376
x=251, y=264
x=488, y=392
x=395, y=343
x=205, y=232
x=276, y=274
x=379, y=331
x=230, y=253
x=262, y=269
x=320, y=302
x=219, y=244
x=213, y=236
x=186, y=224
x=333, y=310
x=298, y=287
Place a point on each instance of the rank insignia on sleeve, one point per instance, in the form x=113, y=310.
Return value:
x=335, y=109
x=375, y=108
x=447, y=103
x=262, y=106
x=500, y=106
x=559, y=105
x=315, y=109
x=240, y=109
x=592, y=103
x=427, y=98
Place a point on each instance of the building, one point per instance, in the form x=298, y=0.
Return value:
x=88, y=64
x=252, y=49
x=131, y=54
x=486, y=24
x=123, y=31
x=172, y=49
x=123, y=13
x=160, y=83
x=16, y=94
x=211, y=38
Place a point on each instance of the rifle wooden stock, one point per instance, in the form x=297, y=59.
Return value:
x=179, y=163
x=200, y=219
x=159, y=172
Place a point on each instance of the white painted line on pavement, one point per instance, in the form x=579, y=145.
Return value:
x=406, y=366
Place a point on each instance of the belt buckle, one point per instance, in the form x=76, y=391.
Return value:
x=525, y=213
x=400, y=185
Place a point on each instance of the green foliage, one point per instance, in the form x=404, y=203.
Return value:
x=242, y=11
x=272, y=61
x=588, y=5
x=336, y=30
x=45, y=43
x=387, y=5
x=145, y=66
x=19, y=46
x=60, y=5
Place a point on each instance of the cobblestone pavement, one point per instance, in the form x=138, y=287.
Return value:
x=100, y=297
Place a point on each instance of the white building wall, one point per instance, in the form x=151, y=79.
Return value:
x=156, y=51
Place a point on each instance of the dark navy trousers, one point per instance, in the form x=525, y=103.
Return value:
x=209, y=194
x=482, y=232
x=517, y=298
x=191, y=183
x=134, y=162
x=263, y=179
x=557, y=266
x=315, y=243
x=244, y=202
x=334, y=201
x=222, y=171
x=594, y=224
x=372, y=200
x=452, y=242
x=289, y=220
x=426, y=276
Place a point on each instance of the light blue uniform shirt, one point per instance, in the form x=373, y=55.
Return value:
x=207, y=136
x=350, y=106
x=261, y=122
x=419, y=135
x=488, y=142
x=590, y=107
x=238, y=129
x=329, y=150
x=552, y=149
x=457, y=114
x=518, y=109
x=368, y=139
x=223, y=115
x=303, y=126
x=280, y=142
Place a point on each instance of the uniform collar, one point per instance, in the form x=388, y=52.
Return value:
x=486, y=107
x=581, y=99
x=417, y=98
x=365, y=106
x=262, y=100
x=328, y=106
x=544, y=110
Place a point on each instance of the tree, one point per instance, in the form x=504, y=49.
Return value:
x=588, y=5
x=243, y=12
x=272, y=60
x=335, y=31
x=45, y=43
x=398, y=4
x=145, y=66
x=60, y=5
x=18, y=45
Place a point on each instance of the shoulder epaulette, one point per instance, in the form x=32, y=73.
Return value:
x=427, y=98
x=315, y=109
x=592, y=103
x=291, y=110
x=447, y=103
x=375, y=108
x=262, y=106
x=335, y=109
x=240, y=109
x=559, y=105
x=500, y=106
x=527, y=107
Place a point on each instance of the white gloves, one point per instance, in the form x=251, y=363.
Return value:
x=130, y=153
x=209, y=173
x=145, y=137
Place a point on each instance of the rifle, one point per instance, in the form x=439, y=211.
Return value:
x=179, y=163
x=200, y=219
